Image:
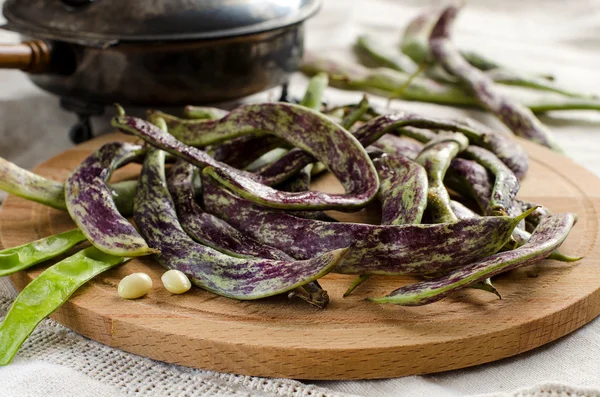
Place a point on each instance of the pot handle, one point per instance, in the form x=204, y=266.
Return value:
x=29, y=56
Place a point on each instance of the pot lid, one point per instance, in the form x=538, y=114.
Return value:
x=106, y=22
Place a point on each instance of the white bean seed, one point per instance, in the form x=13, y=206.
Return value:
x=135, y=286
x=176, y=282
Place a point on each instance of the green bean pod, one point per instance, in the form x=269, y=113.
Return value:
x=403, y=190
x=20, y=182
x=336, y=148
x=30, y=186
x=375, y=249
x=374, y=53
x=92, y=208
x=515, y=116
x=47, y=293
x=435, y=158
x=313, y=97
x=24, y=256
x=550, y=234
x=225, y=275
x=203, y=113
x=385, y=82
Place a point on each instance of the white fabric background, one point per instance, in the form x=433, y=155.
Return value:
x=554, y=36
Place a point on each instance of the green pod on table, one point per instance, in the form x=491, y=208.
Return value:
x=225, y=275
x=24, y=256
x=92, y=208
x=515, y=116
x=549, y=235
x=242, y=151
x=30, y=186
x=403, y=190
x=374, y=53
x=328, y=142
x=435, y=159
x=375, y=249
x=47, y=293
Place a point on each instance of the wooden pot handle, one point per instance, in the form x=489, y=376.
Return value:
x=29, y=56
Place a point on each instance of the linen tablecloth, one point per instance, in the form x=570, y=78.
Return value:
x=562, y=38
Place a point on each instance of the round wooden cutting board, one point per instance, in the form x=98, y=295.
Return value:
x=351, y=338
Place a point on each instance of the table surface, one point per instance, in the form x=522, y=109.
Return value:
x=558, y=37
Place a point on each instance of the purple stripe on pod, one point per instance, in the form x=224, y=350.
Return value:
x=403, y=190
x=239, y=278
x=376, y=249
x=514, y=115
x=90, y=203
x=549, y=235
x=331, y=144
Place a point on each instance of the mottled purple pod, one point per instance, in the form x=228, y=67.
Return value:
x=206, y=228
x=403, y=190
x=92, y=208
x=435, y=159
x=515, y=116
x=238, y=278
x=328, y=142
x=549, y=235
x=392, y=144
x=242, y=151
x=376, y=249
x=506, y=184
x=369, y=132
x=470, y=179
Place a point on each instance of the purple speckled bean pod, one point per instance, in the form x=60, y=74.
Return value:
x=549, y=235
x=92, y=208
x=392, y=144
x=470, y=179
x=536, y=216
x=239, y=278
x=331, y=144
x=301, y=183
x=206, y=228
x=403, y=190
x=435, y=158
x=242, y=151
x=515, y=116
x=369, y=132
x=506, y=184
x=376, y=249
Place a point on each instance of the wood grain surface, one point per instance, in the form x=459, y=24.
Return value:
x=351, y=338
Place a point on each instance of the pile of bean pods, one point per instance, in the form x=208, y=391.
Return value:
x=429, y=68
x=233, y=212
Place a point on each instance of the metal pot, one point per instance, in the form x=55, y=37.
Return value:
x=155, y=52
